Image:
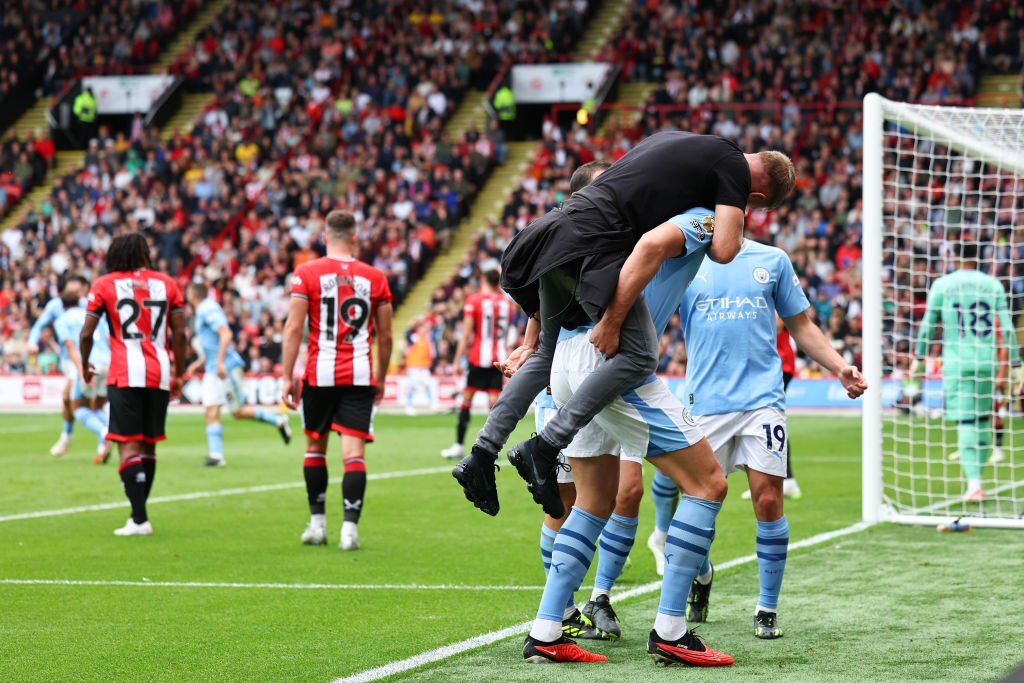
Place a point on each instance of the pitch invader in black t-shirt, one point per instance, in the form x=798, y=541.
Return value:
x=588, y=262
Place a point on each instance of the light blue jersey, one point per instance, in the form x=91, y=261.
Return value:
x=665, y=290
x=728, y=317
x=209, y=319
x=68, y=327
x=54, y=309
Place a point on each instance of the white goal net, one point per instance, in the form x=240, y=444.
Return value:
x=943, y=198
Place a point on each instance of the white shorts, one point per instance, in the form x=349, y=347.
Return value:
x=219, y=392
x=80, y=391
x=68, y=369
x=645, y=421
x=754, y=439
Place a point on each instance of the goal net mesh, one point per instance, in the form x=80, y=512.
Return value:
x=951, y=177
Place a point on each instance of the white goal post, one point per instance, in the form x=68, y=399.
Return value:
x=934, y=179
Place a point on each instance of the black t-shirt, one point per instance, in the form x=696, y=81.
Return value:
x=664, y=175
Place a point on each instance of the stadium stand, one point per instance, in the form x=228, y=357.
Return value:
x=936, y=55
x=307, y=114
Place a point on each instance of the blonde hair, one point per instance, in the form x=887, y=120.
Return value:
x=781, y=177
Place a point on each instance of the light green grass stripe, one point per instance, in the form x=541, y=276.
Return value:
x=274, y=586
x=436, y=655
x=198, y=495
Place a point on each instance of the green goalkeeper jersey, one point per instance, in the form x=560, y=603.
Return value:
x=973, y=310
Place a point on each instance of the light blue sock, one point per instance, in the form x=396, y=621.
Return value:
x=547, y=543
x=215, y=440
x=664, y=493
x=571, y=556
x=69, y=426
x=91, y=421
x=616, y=542
x=686, y=549
x=772, y=542
x=264, y=415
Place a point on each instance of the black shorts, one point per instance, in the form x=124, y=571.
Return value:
x=346, y=410
x=484, y=379
x=137, y=414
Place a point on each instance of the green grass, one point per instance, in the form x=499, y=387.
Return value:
x=918, y=473
x=886, y=604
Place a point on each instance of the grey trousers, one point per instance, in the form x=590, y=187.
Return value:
x=636, y=360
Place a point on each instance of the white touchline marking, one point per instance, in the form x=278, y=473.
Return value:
x=431, y=656
x=288, y=586
x=197, y=495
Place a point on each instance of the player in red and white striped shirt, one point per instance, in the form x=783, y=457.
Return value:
x=485, y=319
x=146, y=316
x=348, y=303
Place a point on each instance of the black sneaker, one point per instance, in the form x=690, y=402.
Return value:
x=697, y=603
x=688, y=650
x=766, y=626
x=561, y=650
x=600, y=614
x=537, y=463
x=285, y=430
x=475, y=473
x=578, y=627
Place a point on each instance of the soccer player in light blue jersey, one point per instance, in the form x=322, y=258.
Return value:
x=222, y=375
x=735, y=391
x=645, y=422
x=88, y=400
x=54, y=309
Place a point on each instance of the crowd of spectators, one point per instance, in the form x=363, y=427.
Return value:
x=714, y=76
x=23, y=163
x=314, y=108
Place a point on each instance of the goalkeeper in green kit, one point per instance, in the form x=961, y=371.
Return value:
x=972, y=308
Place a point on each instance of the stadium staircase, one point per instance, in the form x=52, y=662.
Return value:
x=66, y=162
x=187, y=36
x=998, y=90
x=487, y=205
x=471, y=110
x=602, y=28
x=181, y=122
x=632, y=94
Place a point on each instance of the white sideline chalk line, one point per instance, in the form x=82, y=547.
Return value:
x=198, y=495
x=289, y=586
x=436, y=655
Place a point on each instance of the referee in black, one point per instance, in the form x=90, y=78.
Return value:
x=588, y=261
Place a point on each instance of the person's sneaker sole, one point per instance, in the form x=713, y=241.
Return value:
x=545, y=495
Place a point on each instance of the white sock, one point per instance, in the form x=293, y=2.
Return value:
x=705, y=579
x=973, y=484
x=762, y=608
x=670, y=628
x=598, y=592
x=318, y=520
x=569, y=610
x=659, y=536
x=349, y=526
x=546, y=631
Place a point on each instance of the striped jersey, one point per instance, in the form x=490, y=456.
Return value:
x=491, y=314
x=343, y=296
x=137, y=305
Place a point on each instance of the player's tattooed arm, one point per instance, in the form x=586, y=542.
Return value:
x=663, y=242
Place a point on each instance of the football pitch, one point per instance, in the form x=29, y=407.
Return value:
x=225, y=591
